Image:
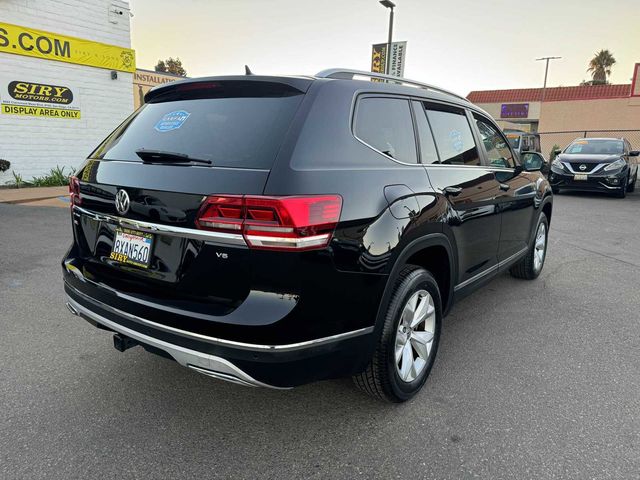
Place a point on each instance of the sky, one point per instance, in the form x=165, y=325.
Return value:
x=460, y=45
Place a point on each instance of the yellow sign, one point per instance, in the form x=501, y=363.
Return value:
x=51, y=46
x=40, y=111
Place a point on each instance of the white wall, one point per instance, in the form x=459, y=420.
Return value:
x=34, y=145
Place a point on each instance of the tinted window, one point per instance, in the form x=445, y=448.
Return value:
x=514, y=140
x=453, y=136
x=238, y=131
x=498, y=152
x=428, y=152
x=386, y=125
x=596, y=147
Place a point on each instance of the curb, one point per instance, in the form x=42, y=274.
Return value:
x=26, y=195
x=28, y=200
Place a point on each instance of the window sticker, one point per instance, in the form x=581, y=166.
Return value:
x=171, y=121
x=455, y=139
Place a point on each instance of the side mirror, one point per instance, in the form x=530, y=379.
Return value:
x=634, y=153
x=532, y=162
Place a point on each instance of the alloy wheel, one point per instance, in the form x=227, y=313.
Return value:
x=540, y=247
x=415, y=335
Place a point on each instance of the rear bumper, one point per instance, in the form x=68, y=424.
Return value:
x=276, y=366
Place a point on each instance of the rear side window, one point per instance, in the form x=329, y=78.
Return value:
x=386, y=125
x=453, y=136
x=231, y=127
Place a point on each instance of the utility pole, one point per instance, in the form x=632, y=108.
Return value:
x=390, y=5
x=546, y=73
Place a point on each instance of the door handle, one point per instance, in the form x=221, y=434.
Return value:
x=453, y=191
x=504, y=187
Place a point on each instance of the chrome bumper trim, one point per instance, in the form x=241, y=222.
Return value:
x=220, y=341
x=204, y=363
x=595, y=169
x=219, y=238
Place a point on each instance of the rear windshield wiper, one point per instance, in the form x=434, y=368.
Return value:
x=160, y=156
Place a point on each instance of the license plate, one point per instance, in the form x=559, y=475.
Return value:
x=132, y=247
x=581, y=176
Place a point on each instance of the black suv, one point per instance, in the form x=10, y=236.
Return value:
x=279, y=230
x=596, y=164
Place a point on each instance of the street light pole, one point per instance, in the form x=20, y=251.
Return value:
x=390, y=5
x=546, y=73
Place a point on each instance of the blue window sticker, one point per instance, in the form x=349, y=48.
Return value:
x=172, y=121
x=455, y=139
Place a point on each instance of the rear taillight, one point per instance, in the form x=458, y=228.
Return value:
x=74, y=191
x=274, y=223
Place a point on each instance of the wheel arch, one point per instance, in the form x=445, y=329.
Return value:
x=423, y=252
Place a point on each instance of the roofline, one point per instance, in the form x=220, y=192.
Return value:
x=553, y=94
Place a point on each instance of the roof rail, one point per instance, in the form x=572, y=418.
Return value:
x=348, y=74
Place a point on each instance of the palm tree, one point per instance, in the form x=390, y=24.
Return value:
x=600, y=67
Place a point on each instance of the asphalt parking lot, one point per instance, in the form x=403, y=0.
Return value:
x=533, y=380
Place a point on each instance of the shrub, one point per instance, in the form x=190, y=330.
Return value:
x=56, y=178
x=18, y=182
x=552, y=155
x=4, y=165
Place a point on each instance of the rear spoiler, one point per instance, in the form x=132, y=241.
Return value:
x=299, y=84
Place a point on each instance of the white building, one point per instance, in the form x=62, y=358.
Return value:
x=66, y=80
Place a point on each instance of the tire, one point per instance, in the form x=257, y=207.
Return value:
x=632, y=186
x=529, y=267
x=622, y=191
x=383, y=378
x=555, y=190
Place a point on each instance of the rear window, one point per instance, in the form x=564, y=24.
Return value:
x=231, y=127
x=514, y=140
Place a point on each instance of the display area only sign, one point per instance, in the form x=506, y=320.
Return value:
x=39, y=99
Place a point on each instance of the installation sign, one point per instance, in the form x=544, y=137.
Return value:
x=52, y=46
x=38, y=99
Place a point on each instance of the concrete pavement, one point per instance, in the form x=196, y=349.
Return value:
x=533, y=379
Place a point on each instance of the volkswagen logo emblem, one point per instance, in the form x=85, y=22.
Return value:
x=122, y=202
x=582, y=167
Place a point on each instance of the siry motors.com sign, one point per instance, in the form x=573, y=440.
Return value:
x=30, y=42
x=37, y=99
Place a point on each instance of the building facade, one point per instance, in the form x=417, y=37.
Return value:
x=66, y=80
x=605, y=109
x=145, y=80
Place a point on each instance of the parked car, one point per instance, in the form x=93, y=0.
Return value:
x=522, y=141
x=596, y=164
x=331, y=223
